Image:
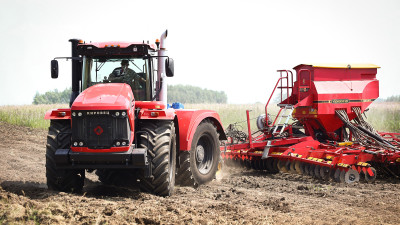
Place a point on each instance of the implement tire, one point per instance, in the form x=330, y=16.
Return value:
x=200, y=164
x=162, y=154
x=61, y=179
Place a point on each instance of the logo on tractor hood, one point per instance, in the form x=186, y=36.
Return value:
x=98, y=130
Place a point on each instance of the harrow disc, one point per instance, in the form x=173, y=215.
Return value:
x=287, y=165
x=282, y=166
x=311, y=170
x=342, y=176
x=265, y=165
x=247, y=163
x=299, y=167
x=260, y=164
x=307, y=169
x=351, y=176
x=253, y=164
x=292, y=168
x=325, y=173
x=317, y=171
x=336, y=176
x=275, y=165
x=368, y=177
x=272, y=165
x=242, y=163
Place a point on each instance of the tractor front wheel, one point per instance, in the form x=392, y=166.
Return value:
x=160, y=138
x=61, y=179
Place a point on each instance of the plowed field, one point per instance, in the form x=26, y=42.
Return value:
x=237, y=196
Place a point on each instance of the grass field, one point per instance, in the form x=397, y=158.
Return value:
x=383, y=116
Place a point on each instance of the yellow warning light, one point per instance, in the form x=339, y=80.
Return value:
x=157, y=41
x=80, y=41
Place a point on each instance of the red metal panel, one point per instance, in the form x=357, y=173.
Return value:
x=112, y=96
x=188, y=120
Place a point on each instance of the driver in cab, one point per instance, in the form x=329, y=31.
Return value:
x=124, y=74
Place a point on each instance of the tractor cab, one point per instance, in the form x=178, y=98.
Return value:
x=140, y=65
x=118, y=62
x=138, y=73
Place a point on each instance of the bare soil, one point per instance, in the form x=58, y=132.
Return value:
x=237, y=196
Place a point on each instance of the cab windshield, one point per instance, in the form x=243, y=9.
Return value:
x=133, y=71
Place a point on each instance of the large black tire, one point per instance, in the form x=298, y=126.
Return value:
x=162, y=153
x=200, y=164
x=61, y=179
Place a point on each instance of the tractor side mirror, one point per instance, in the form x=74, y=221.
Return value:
x=54, y=69
x=169, y=67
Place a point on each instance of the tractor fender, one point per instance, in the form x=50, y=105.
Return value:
x=188, y=121
x=58, y=114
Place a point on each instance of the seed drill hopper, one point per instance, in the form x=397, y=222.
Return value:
x=320, y=128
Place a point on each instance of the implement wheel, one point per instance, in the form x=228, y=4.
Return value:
x=162, y=152
x=351, y=176
x=368, y=177
x=200, y=164
x=61, y=179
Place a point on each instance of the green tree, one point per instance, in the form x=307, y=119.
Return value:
x=52, y=97
x=192, y=94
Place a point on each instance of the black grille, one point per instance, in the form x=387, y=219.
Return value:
x=100, y=129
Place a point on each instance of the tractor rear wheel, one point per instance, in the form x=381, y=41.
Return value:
x=59, y=137
x=200, y=164
x=161, y=143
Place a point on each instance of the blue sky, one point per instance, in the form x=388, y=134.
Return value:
x=233, y=46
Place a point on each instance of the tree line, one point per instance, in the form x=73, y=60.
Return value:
x=394, y=98
x=176, y=93
x=192, y=94
x=52, y=97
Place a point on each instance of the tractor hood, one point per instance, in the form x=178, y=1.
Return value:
x=115, y=96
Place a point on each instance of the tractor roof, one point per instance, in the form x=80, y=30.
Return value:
x=115, y=49
x=117, y=44
x=340, y=65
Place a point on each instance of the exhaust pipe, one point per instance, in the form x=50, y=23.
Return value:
x=162, y=82
x=76, y=71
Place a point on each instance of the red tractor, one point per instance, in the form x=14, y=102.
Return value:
x=119, y=123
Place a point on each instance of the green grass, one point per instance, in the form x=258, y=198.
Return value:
x=27, y=115
x=383, y=116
